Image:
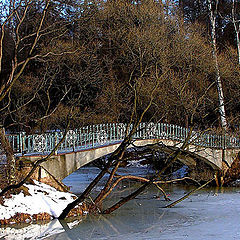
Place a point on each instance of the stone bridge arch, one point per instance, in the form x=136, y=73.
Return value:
x=62, y=165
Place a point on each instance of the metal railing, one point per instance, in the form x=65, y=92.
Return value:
x=105, y=134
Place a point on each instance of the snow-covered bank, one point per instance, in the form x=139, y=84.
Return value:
x=40, y=202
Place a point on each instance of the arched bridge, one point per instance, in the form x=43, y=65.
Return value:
x=82, y=146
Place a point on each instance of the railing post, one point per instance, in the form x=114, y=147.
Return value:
x=21, y=143
x=114, y=128
x=182, y=134
x=54, y=142
x=73, y=140
x=80, y=137
x=107, y=132
x=161, y=130
x=110, y=132
x=90, y=136
x=170, y=131
x=93, y=131
x=174, y=132
x=85, y=138
x=144, y=131
x=117, y=132
x=18, y=143
x=97, y=132
x=77, y=138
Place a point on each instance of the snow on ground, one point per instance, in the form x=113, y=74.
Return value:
x=136, y=163
x=43, y=199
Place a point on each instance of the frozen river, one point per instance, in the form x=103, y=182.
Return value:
x=209, y=214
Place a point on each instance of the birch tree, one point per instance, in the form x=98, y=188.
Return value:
x=236, y=24
x=213, y=11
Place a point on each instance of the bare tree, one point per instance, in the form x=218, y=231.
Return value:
x=27, y=48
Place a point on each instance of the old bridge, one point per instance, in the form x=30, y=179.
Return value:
x=82, y=146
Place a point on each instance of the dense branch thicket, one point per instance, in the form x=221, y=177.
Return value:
x=113, y=45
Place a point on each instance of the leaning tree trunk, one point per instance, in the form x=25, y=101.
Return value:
x=7, y=149
x=213, y=15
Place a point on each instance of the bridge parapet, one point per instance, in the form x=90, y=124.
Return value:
x=105, y=134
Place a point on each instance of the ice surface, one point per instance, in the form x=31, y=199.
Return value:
x=210, y=214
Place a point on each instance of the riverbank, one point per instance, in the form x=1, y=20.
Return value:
x=37, y=202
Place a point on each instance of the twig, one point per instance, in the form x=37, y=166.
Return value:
x=178, y=180
x=142, y=179
x=190, y=193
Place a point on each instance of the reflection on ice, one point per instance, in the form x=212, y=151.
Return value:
x=74, y=223
x=33, y=231
x=38, y=231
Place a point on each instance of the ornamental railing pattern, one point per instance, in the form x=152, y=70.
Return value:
x=105, y=134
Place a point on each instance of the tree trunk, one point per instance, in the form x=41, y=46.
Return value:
x=213, y=15
x=7, y=149
x=236, y=28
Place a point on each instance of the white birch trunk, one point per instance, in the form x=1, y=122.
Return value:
x=236, y=28
x=213, y=14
